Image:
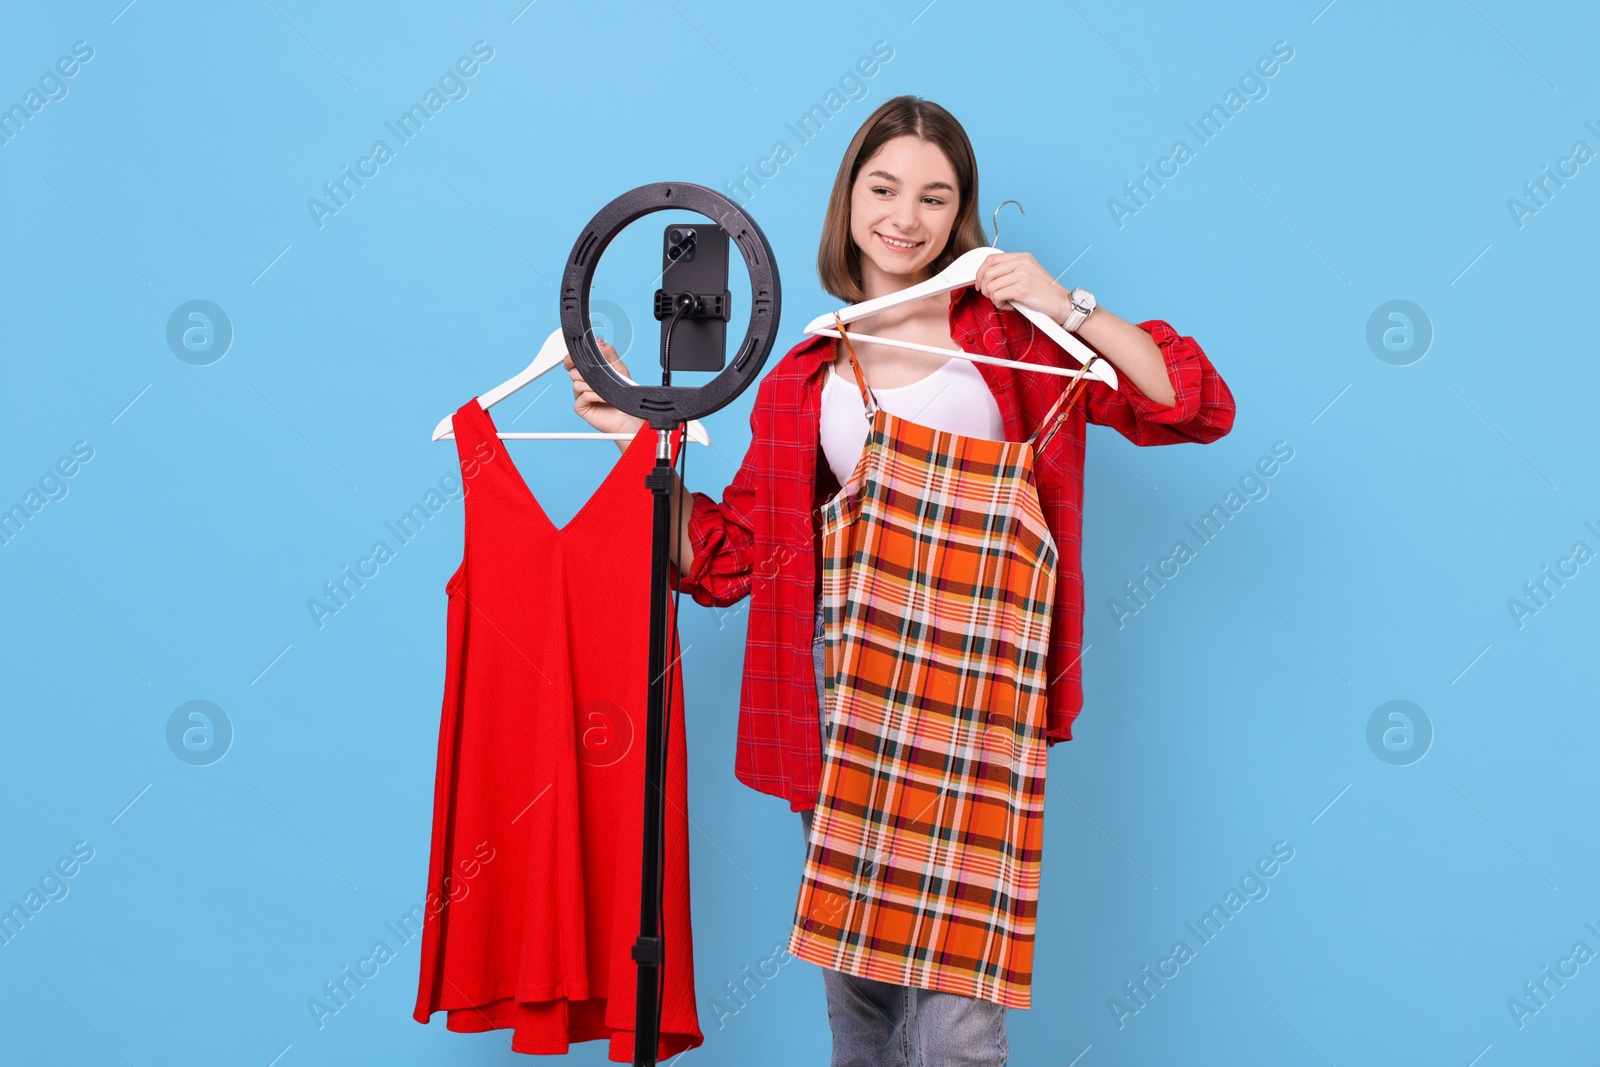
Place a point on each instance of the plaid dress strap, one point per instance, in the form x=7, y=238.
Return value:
x=1063, y=404
x=869, y=401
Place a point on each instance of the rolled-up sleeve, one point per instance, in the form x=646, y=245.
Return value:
x=1202, y=409
x=723, y=534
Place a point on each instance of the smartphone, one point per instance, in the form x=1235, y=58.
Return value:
x=694, y=259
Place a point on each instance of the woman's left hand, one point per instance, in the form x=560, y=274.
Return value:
x=1016, y=277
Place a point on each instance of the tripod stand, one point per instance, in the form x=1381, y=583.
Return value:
x=664, y=407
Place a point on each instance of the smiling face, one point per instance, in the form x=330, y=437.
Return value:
x=902, y=208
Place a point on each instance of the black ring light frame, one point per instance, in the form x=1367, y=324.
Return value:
x=664, y=406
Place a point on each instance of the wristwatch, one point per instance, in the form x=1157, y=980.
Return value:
x=1082, y=304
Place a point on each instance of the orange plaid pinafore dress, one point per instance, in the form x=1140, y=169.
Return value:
x=939, y=572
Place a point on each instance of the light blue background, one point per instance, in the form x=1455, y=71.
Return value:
x=1230, y=713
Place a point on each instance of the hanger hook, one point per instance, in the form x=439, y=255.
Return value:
x=995, y=218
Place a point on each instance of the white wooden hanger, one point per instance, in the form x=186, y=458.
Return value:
x=964, y=271
x=552, y=354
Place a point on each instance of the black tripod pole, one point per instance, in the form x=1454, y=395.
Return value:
x=648, y=949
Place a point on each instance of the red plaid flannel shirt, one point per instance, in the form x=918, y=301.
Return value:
x=762, y=541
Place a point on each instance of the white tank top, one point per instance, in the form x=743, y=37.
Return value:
x=954, y=398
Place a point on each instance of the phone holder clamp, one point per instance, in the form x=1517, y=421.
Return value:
x=710, y=306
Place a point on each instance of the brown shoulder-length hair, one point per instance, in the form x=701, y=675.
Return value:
x=838, y=258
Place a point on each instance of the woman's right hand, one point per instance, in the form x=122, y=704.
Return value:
x=588, y=404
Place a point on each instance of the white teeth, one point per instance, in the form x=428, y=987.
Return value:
x=900, y=244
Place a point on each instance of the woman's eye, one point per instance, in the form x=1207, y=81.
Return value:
x=932, y=201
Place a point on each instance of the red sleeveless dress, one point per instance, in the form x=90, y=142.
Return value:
x=533, y=878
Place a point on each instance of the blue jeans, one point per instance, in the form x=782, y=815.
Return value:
x=879, y=1024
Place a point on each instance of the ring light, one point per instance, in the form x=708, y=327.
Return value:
x=664, y=406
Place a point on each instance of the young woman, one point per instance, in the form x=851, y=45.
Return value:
x=904, y=205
